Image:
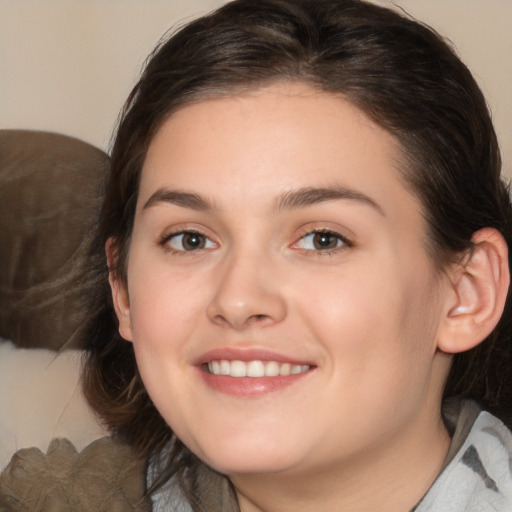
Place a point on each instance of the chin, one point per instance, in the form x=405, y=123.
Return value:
x=243, y=465
x=248, y=457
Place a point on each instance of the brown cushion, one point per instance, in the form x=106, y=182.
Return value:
x=50, y=188
x=105, y=477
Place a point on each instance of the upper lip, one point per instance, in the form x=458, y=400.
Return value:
x=246, y=355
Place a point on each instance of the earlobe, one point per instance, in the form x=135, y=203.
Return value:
x=480, y=290
x=120, y=296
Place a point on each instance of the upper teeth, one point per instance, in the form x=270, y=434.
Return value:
x=255, y=368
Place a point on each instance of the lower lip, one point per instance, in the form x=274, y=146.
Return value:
x=249, y=386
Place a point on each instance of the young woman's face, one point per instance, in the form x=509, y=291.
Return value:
x=274, y=237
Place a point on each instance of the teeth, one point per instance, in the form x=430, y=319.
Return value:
x=255, y=368
x=272, y=369
x=224, y=367
x=285, y=369
x=238, y=369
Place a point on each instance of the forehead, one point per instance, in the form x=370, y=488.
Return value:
x=271, y=140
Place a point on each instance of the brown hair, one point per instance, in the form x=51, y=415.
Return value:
x=396, y=70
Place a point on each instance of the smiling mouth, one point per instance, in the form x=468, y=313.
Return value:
x=254, y=368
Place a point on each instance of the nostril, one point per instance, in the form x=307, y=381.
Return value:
x=220, y=320
x=257, y=319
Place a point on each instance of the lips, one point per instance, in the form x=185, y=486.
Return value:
x=250, y=372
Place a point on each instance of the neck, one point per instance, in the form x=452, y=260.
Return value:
x=393, y=476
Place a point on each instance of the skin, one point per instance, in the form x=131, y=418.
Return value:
x=367, y=313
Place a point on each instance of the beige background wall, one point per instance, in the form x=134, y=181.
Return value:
x=67, y=65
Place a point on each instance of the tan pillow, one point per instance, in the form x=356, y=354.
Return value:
x=50, y=187
x=104, y=477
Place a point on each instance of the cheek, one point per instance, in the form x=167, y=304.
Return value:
x=379, y=318
x=164, y=304
x=165, y=309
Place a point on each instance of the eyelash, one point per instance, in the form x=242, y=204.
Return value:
x=342, y=242
x=166, y=239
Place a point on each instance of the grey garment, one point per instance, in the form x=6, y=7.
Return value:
x=212, y=492
x=476, y=475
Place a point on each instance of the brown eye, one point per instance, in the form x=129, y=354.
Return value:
x=322, y=241
x=192, y=241
x=189, y=241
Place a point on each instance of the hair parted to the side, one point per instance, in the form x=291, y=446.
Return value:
x=396, y=70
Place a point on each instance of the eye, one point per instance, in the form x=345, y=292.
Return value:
x=322, y=241
x=188, y=241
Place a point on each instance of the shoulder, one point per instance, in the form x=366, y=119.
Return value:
x=170, y=498
x=479, y=477
x=212, y=491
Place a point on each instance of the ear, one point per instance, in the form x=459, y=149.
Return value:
x=120, y=296
x=479, y=285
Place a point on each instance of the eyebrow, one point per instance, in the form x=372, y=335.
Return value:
x=309, y=196
x=179, y=198
x=294, y=199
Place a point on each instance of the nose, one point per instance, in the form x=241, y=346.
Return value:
x=247, y=294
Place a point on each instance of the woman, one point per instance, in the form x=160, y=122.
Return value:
x=306, y=235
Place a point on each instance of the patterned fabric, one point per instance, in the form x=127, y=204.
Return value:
x=476, y=475
x=212, y=492
x=479, y=477
x=104, y=477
